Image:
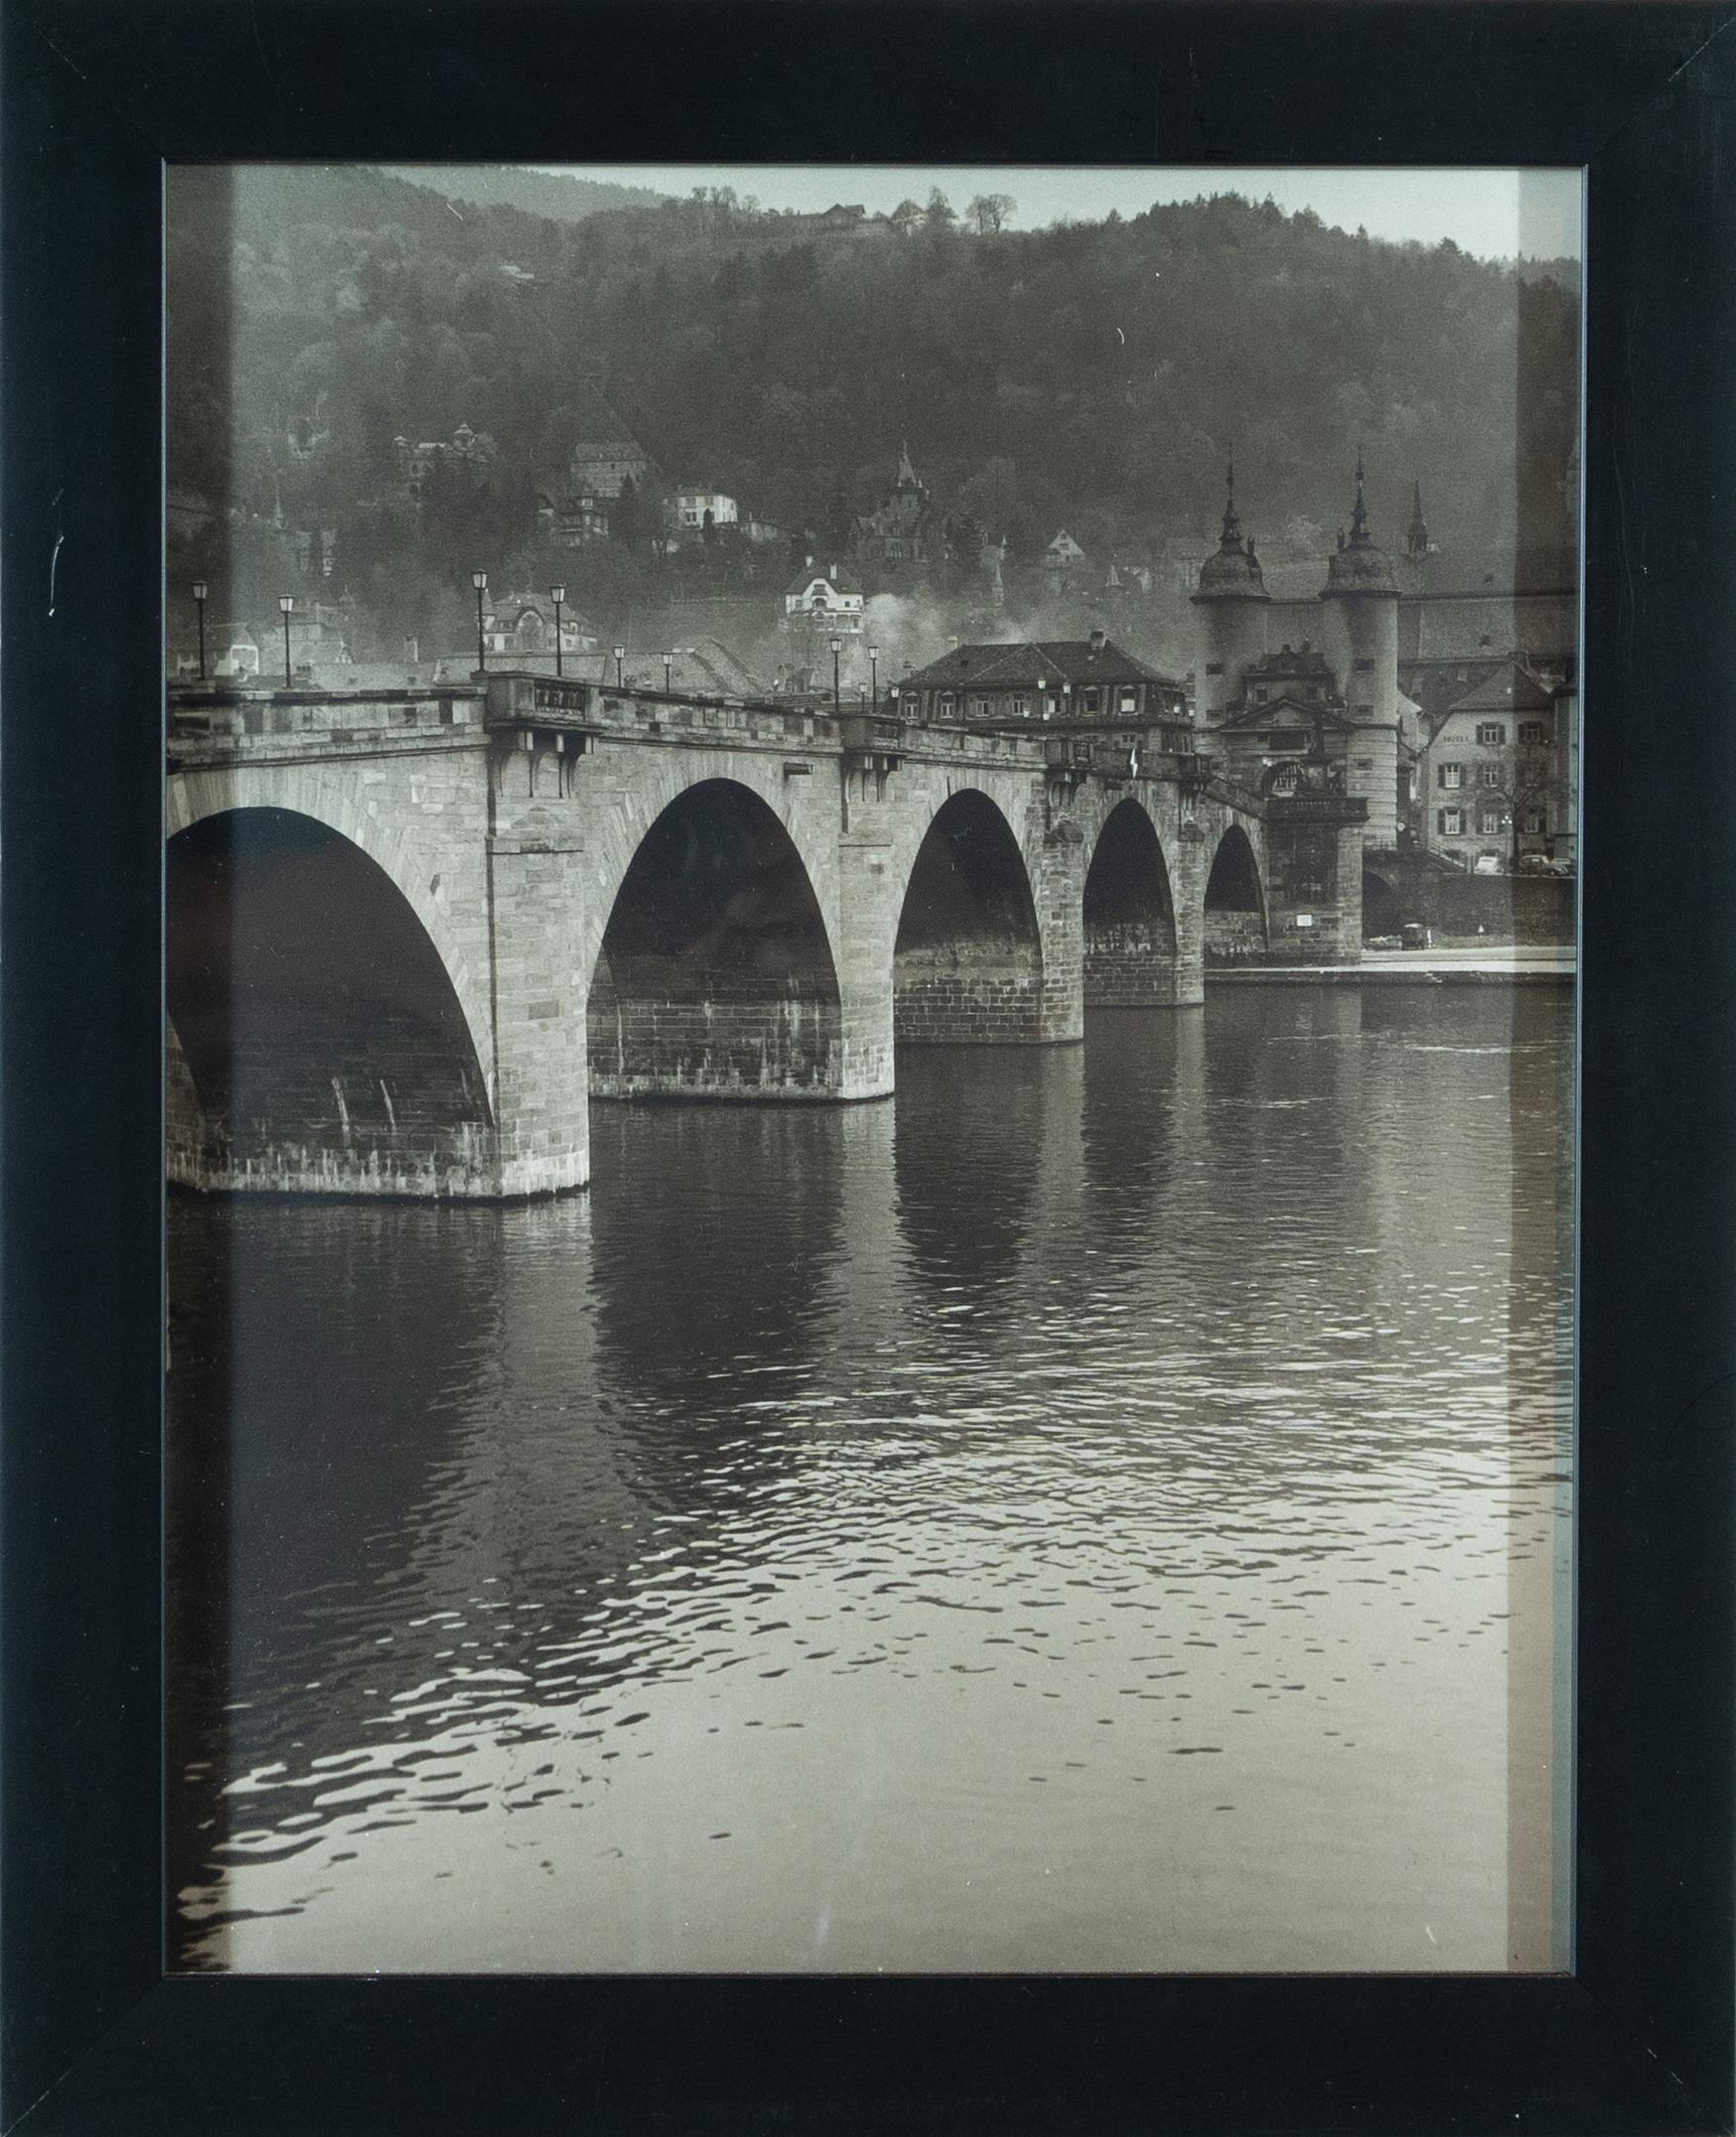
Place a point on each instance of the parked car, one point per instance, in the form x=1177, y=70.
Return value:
x=1414, y=936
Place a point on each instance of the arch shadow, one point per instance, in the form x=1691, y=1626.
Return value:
x=316, y=1041
x=1382, y=913
x=1129, y=915
x=1235, y=903
x=968, y=959
x=715, y=978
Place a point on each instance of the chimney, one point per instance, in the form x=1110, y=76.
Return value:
x=1096, y=644
x=833, y=574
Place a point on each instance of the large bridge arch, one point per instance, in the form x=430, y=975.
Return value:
x=316, y=1039
x=439, y=886
x=1235, y=931
x=1129, y=914
x=714, y=974
x=968, y=952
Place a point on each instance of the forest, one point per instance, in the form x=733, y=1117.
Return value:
x=1094, y=375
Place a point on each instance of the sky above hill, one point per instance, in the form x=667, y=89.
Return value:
x=1495, y=214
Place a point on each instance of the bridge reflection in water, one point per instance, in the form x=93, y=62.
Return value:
x=1104, y=1509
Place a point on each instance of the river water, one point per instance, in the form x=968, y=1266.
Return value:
x=1103, y=1510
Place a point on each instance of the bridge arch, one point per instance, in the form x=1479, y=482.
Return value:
x=714, y=974
x=1129, y=914
x=317, y=1040
x=1235, y=902
x=968, y=953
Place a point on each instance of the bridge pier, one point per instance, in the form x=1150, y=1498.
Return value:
x=1058, y=894
x=1190, y=866
x=541, y=1086
x=868, y=925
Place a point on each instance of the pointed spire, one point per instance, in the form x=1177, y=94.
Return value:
x=1418, y=536
x=1232, y=538
x=1359, y=512
x=906, y=473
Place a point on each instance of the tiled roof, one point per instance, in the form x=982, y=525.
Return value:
x=1512, y=687
x=1010, y=666
x=840, y=582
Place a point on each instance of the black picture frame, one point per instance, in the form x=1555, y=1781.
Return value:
x=97, y=94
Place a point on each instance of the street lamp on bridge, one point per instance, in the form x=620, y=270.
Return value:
x=201, y=590
x=874, y=654
x=620, y=653
x=837, y=649
x=557, y=594
x=287, y=603
x=669, y=664
x=478, y=579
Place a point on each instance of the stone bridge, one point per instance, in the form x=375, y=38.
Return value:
x=411, y=934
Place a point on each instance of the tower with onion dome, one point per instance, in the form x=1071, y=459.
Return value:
x=1232, y=602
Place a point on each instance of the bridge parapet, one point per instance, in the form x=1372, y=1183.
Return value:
x=527, y=702
x=210, y=729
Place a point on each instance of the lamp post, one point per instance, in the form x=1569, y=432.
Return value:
x=286, y=602
x=874, y=654
x=557, y=594
x=837, y=649
x=478, y=579
x=201, y=590
x=620, y=655
x=669, y=664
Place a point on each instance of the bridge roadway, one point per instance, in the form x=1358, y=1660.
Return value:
x=411, y=934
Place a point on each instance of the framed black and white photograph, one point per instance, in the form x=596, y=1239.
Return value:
x=871, y=1114
x=923, y=1244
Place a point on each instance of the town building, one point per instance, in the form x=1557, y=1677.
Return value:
x=576, y=519
x=1064, y=563
x=524, y=625
x=821, y=602
x=1498, y=775
x=1069, y=679
x=605, y=454
x=691, y=510
x=469, y=456
x=902, y=528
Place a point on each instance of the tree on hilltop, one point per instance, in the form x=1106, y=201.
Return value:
x=990, y=212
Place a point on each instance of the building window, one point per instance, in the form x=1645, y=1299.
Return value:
x=1491, y=731
x=1091, y=701
x=1532, y=731
x=1536, y=822
x=1021, y=707
x=1287, y=740
x=1489, y=823
x=1449, y=823
x=1488, y=775
x=1363, y=712
x=1215, y=667
x=1128, y=702
x=1261, y=693
x=1450, y=775
x=1364, y=667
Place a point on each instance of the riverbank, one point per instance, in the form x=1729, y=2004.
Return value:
x=1506, y=965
